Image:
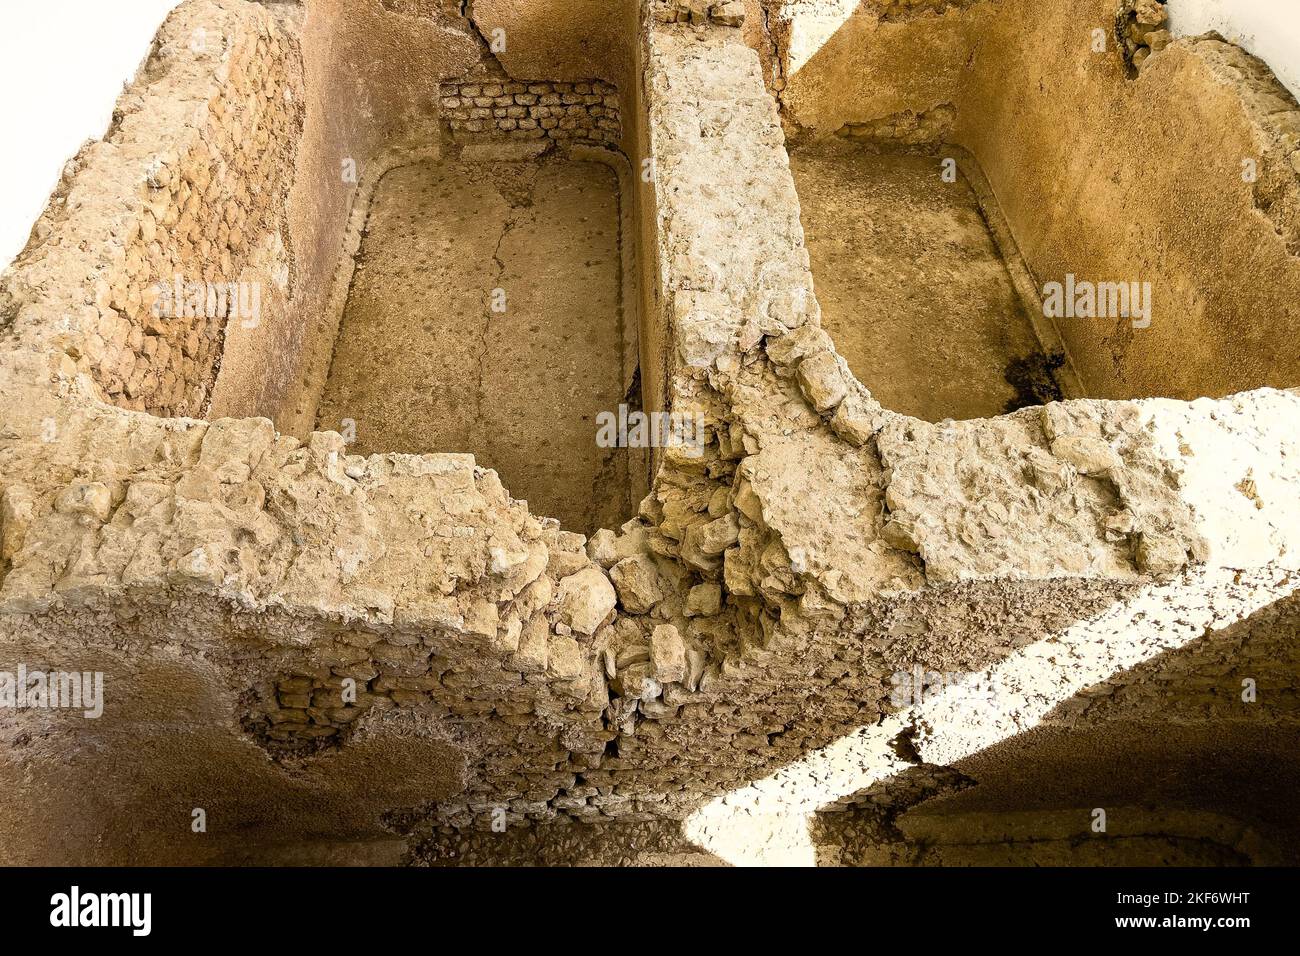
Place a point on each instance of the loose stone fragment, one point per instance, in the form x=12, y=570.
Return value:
x=586, y=600
x=857, y=419
x=822, y=380
x=639, y=683
x=636, y=579
x=790, y=348
x=729, y=14
x=718, y=535
x=1160, y=554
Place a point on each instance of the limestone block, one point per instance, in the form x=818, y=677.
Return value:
x=533, y=646
x=564, y=659
x=729, y=13
x=857, y=419
x=638, y=682
x=17, y=509
x=637, y=581
x=793, y=347
x=90, y=498
x=667, y=654
x=822, y=380
x=1160, y=554
x=704, y=600
x=586, y=599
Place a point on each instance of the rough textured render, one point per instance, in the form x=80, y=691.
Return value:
x=1085, y=201
x=451, y=627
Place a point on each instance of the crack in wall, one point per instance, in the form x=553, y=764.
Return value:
x=485, y=44
x=518, y=211
x=775, y=82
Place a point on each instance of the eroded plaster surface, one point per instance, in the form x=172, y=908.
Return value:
x=718, y=669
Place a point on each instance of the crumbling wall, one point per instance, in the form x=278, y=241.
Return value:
x=243, y=144
x=237, y=584
x=787, y=603
x=288, y=567
x=183, y=195
x=847, y=66
x=377, y=112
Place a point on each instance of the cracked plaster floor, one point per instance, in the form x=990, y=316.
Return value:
x=423, y=363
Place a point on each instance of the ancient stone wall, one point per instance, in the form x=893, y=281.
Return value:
x=823, y=52
x=768, y=638
x=242, y=145
x=1037, y=108
x=376, y=112
x=582, y=112
x=331, y=647
x=182, y=206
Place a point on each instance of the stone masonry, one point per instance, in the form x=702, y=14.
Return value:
x=391, y=651
x=202, y=210
x=584, y=112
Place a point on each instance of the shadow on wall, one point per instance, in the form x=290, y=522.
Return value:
x=1188, y=755
x=1146, y=709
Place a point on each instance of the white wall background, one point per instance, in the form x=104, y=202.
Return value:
x=62, y=65
x=1270, y=29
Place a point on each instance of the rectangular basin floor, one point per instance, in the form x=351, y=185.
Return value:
x=912, y=286
x=484, y=318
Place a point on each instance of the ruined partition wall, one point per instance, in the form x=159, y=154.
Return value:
x=498, y=82
x=739, y=638
x=1114, y=160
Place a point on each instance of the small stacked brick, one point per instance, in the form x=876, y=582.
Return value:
x=311, y=712
x=585, y=111
x=896, y=10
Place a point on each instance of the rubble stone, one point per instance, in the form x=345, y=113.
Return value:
x=636, y=579
x=586, y=600
x=667, y=654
